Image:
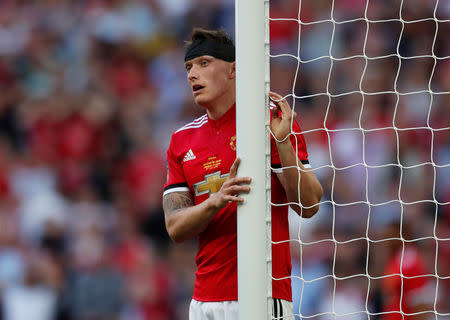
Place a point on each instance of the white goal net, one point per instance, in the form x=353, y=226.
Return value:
x=370, y=82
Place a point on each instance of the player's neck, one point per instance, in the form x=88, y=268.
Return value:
x=217, y=110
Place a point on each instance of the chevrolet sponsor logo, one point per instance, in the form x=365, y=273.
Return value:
x=212, y=183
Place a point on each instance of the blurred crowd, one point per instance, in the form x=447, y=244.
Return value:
x=91, y=90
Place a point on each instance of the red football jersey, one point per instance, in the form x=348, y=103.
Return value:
x=199, y=157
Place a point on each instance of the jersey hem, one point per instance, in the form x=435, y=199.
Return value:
x=213, y=300
x=236, y=299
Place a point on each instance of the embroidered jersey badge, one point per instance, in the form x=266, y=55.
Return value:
x=189, y=156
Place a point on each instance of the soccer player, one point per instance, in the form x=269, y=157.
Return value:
x=203, y=189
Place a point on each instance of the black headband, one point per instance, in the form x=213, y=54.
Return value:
x=198, y=48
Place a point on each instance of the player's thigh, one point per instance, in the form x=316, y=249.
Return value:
x=282, y=309
x=223, y=310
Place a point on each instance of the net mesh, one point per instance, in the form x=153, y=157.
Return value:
x=370, y=82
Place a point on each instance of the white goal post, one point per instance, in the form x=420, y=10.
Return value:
x=253, y=218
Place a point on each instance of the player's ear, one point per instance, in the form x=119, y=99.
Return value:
x=233, y=70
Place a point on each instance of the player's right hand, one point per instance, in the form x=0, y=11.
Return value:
x=231, y=188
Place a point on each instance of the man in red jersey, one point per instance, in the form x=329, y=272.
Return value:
x=203, y=189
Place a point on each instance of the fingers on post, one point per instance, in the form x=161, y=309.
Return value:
x=281, y=103
x=235, y=185
x=236, y=189
x=276, y=98
x=238, y=181
x=275, y=112
x=276, y=109
x=234, y=198
x=234, y=167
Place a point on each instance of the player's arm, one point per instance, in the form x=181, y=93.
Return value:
x=292, y=178
x=310, y=188
x=184, y=220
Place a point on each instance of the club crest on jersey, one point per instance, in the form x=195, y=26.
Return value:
x=233, y=143
x=212, y=183
x=189, y=156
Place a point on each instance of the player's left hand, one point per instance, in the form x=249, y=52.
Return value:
x=281, y=123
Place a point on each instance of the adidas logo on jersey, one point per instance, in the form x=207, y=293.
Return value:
x=189, y=156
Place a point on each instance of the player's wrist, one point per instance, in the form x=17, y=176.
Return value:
x=213, y=204
x=284, y=143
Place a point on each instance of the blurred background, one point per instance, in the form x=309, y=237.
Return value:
x=91, y=90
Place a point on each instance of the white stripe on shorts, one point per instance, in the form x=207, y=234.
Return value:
x=282, y=309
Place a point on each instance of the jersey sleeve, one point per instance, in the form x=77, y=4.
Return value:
x=298, y=143
x=176, y=181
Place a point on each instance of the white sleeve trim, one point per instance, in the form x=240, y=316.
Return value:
x=277, y=170
x=177, y=189
x=280, y=170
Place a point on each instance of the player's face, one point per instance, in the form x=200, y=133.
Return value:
x=210, y=79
